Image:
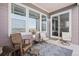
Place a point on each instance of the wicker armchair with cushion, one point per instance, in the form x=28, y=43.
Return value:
x=18, y=42
x=44, y=36
x=38, y=38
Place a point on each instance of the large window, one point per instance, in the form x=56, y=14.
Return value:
x=18, y=19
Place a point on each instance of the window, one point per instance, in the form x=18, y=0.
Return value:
x=43, y=23
x=16, y=9
x=34, y=20
x=34, y=15
x=18, y=25
x=18, y=19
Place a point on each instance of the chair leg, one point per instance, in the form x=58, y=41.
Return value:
x=21, y=50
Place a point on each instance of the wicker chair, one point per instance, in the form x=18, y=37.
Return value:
x=17, y=42
x=38, y=38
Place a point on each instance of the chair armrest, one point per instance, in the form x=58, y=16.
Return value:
x=25, y=49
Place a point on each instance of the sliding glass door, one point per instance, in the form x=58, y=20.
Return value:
x=60, y=23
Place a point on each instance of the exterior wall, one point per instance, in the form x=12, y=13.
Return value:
x=78, y=24
x=4, y=24
x=75, y=25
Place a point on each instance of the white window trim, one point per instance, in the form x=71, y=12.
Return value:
x=9, y=19
x=70, y=22
x=46, y=23
x=27, y=17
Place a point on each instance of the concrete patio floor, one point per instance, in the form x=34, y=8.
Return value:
x=73, y=47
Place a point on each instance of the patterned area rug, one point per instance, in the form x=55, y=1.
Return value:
x=48, y=49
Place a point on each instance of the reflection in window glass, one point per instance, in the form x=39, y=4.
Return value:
x=18, y=25
x=64, y=23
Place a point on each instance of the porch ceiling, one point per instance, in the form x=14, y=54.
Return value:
x=51, y=7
